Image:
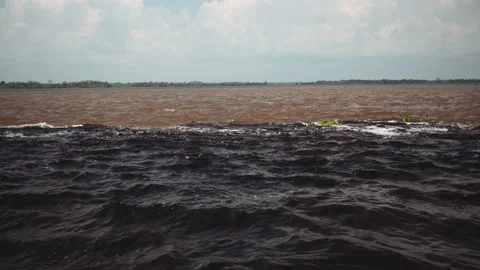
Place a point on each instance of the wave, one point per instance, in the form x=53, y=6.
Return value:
x=363, y=195
x=41, y=125
x=380, y=128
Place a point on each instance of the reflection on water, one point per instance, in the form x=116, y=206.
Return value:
x=166, y=107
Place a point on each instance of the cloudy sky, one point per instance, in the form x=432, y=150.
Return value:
x=238, y=40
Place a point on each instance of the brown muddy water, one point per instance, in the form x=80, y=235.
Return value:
x=167, y=107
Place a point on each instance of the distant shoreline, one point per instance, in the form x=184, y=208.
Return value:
x=117, y=85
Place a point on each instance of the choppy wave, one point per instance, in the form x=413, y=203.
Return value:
x=40, y=125
x=365, y=195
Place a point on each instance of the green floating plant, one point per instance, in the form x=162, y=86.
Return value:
x=328, y=123
x=407, y=117
x=423, y=118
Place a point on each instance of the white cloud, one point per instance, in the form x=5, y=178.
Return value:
x=54, y=6
x=387, y=31
x=354, y=8
x=90, y=23
x=127, y=30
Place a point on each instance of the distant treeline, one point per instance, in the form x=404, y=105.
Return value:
x=100, y=84
x=403, y=81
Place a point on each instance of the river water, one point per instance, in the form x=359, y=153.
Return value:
x=240, y=178
x=167, y=107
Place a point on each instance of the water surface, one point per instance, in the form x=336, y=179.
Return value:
x=268, y=190
x=167, y=107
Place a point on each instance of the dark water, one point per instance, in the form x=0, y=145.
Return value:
x=367, y=195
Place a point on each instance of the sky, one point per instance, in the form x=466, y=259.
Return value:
x=238, y=40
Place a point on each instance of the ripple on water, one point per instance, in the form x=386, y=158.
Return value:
x=365, y=195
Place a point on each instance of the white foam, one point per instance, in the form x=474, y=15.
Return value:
x=390, y=131
x=464, y=126
x=230, y=131
x=377, y=129
x=54, y=134
x=14, y=135
x=382, y=131
x=60, y=133
x=41, y=125
x=211, y=130
x=427, y=129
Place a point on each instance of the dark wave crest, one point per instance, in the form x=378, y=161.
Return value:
x=365, y=195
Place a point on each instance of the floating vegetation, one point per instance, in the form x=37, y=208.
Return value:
x=423, y=118
x=407, y=117
x=328, y=123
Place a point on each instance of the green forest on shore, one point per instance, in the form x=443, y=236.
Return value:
x=105, y=84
